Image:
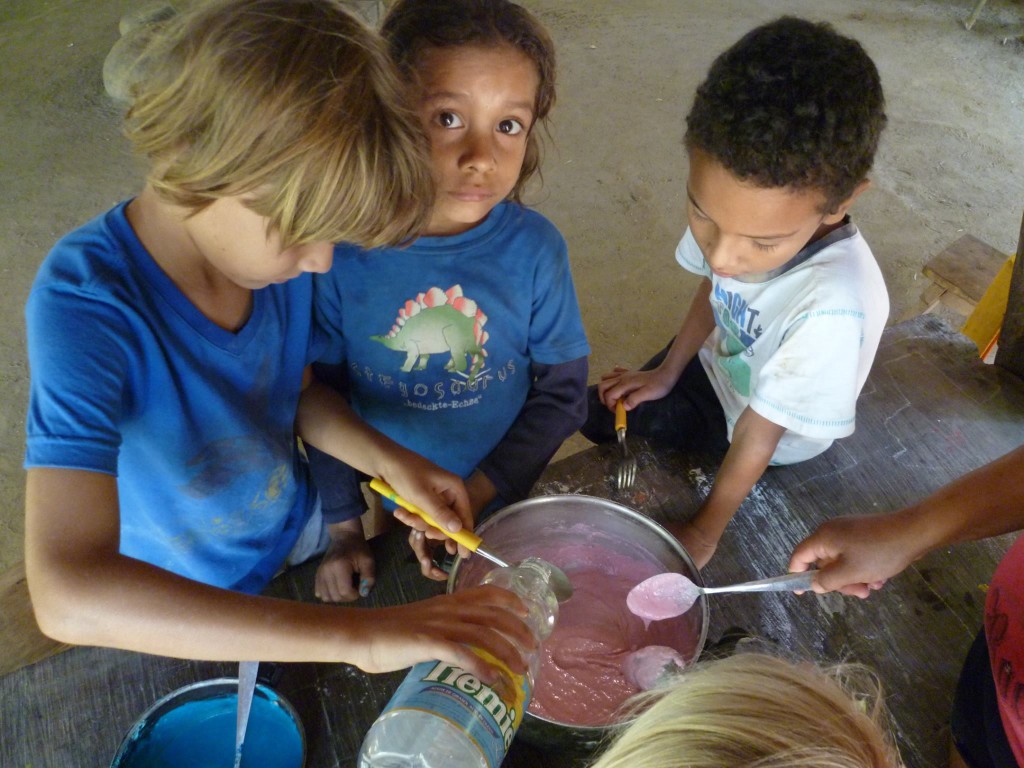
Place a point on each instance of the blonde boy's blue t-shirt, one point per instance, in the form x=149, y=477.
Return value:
x=196, y=422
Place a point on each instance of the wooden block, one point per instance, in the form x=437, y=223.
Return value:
x=931, y=297
x=376, y=520
x=934, y=295
x=958, y=304
x=21, y=642
x=966, y=268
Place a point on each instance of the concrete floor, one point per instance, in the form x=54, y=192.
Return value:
x=951, y=160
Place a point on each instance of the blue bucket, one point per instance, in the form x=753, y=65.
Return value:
x=195, y=726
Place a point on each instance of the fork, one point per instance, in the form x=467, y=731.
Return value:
x=626, y=472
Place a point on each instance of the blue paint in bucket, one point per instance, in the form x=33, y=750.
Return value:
x=195, y=726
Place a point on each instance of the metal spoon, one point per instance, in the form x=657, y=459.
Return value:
x=560, y=584
x=672, y=594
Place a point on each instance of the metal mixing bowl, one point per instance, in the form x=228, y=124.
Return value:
x=537, y=527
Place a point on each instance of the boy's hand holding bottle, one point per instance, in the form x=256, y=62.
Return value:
x=444, y=627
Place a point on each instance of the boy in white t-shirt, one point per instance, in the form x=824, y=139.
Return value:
x=780, y=336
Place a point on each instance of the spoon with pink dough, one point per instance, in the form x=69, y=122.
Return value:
x=671, y=594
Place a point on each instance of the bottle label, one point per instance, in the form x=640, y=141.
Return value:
x=488, y=717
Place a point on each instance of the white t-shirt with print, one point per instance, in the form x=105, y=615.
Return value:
x=796, y=344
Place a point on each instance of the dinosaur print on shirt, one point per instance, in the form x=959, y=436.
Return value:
x=440, y=322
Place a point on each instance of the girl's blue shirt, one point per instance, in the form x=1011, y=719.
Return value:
x=439, y=337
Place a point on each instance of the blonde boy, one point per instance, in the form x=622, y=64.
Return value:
x=169, y=341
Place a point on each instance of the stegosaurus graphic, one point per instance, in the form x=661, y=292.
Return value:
x=437, y=322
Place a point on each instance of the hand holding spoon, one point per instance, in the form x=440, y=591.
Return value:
x=560, y=584
x=671, y=594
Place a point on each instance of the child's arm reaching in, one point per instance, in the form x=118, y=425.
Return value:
x=857, y=554
x=85, y=592
x=754, y=440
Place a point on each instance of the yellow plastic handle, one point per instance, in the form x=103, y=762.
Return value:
x=620, y=415
x=465, y=537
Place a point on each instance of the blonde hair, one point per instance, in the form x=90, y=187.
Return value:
x=758, y=711
x=293, y=103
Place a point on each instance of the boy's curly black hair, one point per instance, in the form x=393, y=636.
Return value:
x=791, y=104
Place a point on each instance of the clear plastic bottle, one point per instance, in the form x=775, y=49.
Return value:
x=442, y=716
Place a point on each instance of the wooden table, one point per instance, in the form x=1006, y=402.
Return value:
x=929, y=412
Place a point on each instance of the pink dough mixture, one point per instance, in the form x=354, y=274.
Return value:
x=590, y=664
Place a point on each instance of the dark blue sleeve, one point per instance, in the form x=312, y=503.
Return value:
x=341, y=497
x=555, y=408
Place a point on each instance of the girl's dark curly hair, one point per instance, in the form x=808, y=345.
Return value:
x=412, y=26
x=791, y=104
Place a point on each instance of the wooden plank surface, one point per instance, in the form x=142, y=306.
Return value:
x=930, y=412
x=966, y=267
